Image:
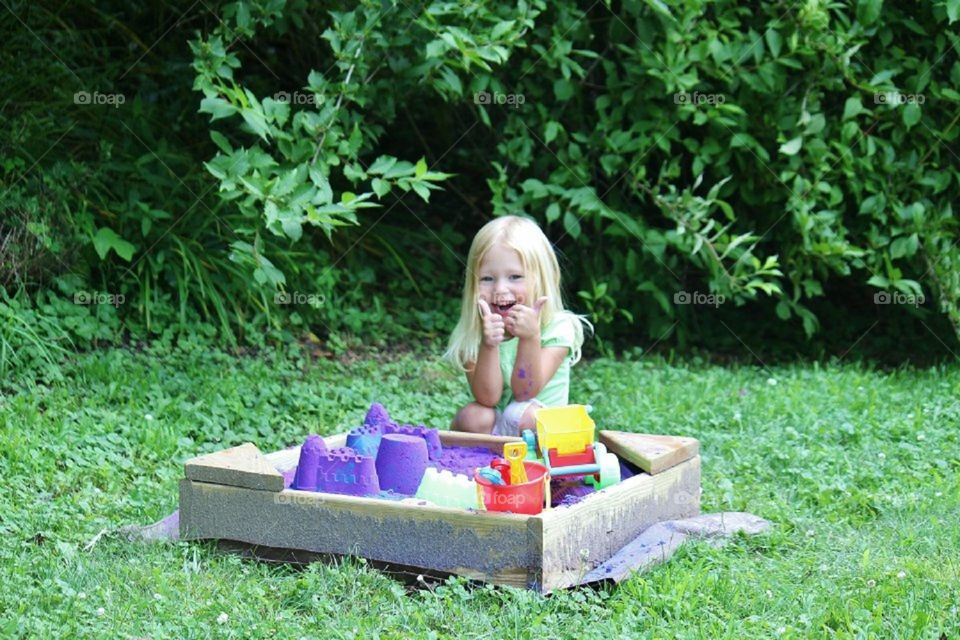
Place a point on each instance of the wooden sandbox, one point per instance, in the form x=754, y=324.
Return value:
x=238, y=494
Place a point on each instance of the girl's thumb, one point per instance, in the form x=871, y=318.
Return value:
x=539, y=303
x=484, y=307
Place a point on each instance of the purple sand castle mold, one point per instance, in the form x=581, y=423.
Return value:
x=365, y=440
x=431, y=436
x=306, y=474
x=401, y=462
x=377, y=416
x=343, y=471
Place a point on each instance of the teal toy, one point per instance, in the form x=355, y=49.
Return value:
x=492, y=475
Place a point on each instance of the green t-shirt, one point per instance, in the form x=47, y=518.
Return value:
x=556, y=393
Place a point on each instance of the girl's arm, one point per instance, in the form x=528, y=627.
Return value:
x=485, y=377
x=535, y=367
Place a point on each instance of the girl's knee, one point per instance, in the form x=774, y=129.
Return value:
x=474, y=418
x=529, y=418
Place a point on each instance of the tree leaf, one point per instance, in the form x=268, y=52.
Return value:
x=501, y=29
x=553, y=212
x=571, y=224
x=381, y=165
x=257, y=121
x=221, y=141
x=774, y=41
x=217, y=108
x=550, y=132
x=107, y=239
x=904, y=246
x=792, y=147
x=421, y=190
x=953, y=10
x=380, y=187
x=292, y=228
x=852, y=107
x=911, y=114
x=563, y=89
x=868, y=11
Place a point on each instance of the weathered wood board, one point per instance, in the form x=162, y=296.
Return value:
x=242, y=466
x=548, y=551
x=651, y=453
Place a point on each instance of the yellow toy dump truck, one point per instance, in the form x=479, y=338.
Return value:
x=564, y=443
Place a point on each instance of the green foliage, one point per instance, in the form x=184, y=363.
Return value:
x=823, y=132
x=285, y=176
x=755, y=151
x=864, y=542
x=113, y=200
x=770, y=155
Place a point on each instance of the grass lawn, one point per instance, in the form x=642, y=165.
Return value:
x=856, y=468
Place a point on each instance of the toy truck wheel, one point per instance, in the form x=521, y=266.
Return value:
x=609, y=472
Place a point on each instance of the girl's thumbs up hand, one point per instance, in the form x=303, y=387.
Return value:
x=524, y=321
x=493, y=326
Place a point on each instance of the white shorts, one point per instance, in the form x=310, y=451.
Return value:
x=508, y=421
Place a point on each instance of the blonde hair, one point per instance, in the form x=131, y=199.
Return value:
x=542, y=275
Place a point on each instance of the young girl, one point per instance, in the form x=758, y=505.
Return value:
x=514, y=340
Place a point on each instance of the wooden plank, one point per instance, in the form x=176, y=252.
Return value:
x=496, y=547
x=578, y=538
x=242, y=466
x=651, y=453
x=464, y=439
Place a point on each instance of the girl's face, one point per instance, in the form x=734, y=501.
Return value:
x=502, y=281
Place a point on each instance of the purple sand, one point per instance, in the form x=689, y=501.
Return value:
x=401, y=461
x=466, y=460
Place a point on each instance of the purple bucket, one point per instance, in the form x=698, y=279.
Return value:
x=401, y=462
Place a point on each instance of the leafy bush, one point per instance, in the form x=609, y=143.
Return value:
x=106, y=195
x=784, y=159
x=751, y=150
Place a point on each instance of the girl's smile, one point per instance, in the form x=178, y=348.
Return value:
x=502, y=283
x=502, y=309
